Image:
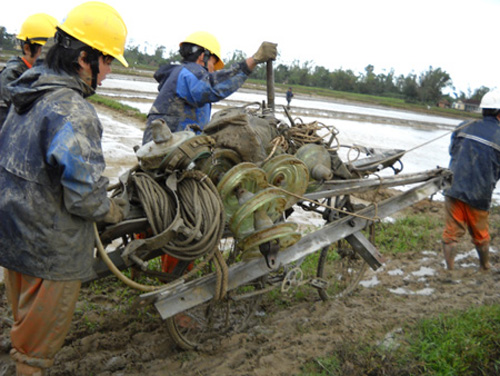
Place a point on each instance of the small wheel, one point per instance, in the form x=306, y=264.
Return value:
x=203, y=327
x=342, y=268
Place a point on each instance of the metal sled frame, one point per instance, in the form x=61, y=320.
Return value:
x=183, y=296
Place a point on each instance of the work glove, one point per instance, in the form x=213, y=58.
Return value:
x=118, y=210
x=267, y=51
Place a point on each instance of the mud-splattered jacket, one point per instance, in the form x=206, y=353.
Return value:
x=51, y=188
x=14, y=68
x=187, y=91
x=475, y=162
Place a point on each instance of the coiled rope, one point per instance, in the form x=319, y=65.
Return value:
x=203, y=214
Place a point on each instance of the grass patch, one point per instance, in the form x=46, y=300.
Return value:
x=117, y=106
x=417, y=232
x=322, y=367
x=458, y=343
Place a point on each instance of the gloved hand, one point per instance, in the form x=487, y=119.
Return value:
x=267, y=51
x=118, y=210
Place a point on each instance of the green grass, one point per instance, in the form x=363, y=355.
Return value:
x=459, y=343
x=115, y=105
x=322, y=367
x=412, y=232
x=454, y=344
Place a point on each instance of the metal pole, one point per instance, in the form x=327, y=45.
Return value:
x=270, y=85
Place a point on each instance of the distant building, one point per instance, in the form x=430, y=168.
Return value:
x=467, y=105
x=472, y=105
x=458, y=105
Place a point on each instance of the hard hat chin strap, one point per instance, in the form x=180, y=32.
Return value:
x=94, y=66
x=206, y=57
x=93, y=55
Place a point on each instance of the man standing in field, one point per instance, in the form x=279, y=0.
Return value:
x=475, y=163
x=289, y=96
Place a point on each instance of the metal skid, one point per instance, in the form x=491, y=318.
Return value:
x=214, y=290
x=182, y=297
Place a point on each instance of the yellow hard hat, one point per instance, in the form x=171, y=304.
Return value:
x=99, y=26
x=207, y=41
x=37, y=28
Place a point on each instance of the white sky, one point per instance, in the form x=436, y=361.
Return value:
x=458, y=36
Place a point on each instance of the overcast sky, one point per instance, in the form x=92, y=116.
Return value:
x=458, y=36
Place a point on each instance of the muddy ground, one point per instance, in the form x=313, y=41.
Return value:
x=113, y=339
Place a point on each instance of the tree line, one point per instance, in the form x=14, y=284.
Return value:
x=426, y=87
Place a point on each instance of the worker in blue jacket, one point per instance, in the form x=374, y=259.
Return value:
x=475, y=163
x=187, y=90
x=51, y=184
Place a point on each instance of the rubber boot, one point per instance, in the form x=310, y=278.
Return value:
x=26, y=370
x=449, y=252
x=483, y=252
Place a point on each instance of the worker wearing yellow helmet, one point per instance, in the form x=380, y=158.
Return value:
x=51, y=182
x=187, y=90
x=35, y=31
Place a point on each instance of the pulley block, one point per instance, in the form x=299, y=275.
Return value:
x=289, y=173
x=276, y=238
x=220, y=162
x=269, y=203
x=244, y=176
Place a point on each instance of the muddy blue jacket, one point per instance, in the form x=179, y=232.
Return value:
x=51, y=189
x=475, y=162
x=14, y=68
x=187, y=91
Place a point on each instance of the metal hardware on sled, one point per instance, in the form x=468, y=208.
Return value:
x=180, y=298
